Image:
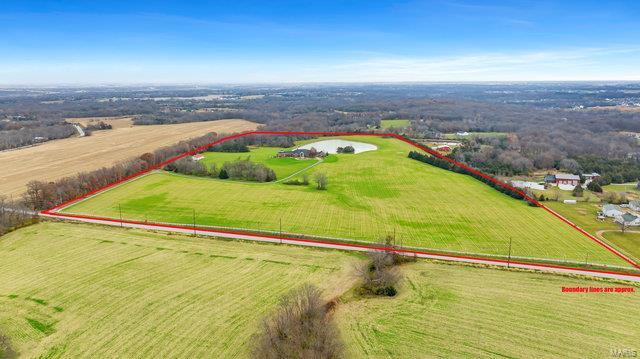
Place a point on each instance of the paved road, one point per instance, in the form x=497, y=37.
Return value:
x=79, y=129
x=341, y=246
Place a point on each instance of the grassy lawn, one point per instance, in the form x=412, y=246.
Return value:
x=87, y=291
x=387, y=124
x=629, y=241
x=622, y=187
x=451, y=312
x=555, y=192
x=370, y=195
x=283, y=167
x=77, y=290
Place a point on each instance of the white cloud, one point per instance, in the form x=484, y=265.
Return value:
x=565, y=65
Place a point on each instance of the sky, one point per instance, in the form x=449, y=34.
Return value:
x=228, y=42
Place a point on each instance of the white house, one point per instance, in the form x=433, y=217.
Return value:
x=462, y=133
x=628, y=219
x=589, y=177
x=635, y=205
x=611, y=210
x=197, y=157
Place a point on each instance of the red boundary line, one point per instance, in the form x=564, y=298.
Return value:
x=50, y=211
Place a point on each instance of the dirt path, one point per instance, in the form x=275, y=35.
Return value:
x=60, y=158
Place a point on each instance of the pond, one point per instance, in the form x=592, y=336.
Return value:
x=331, y=146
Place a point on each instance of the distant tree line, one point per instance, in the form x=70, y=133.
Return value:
x=26, y=136
x=611, y=170
x=13, y=215
x=41, y=195
x=240, y=169
x=100, y=126
x=438, y=162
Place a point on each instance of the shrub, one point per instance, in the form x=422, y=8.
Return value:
x=594, y=186
x=300, y=328
x=577, y=191
x=321, y=180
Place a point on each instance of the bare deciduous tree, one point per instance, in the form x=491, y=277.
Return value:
x=321, y=180
x=301, y=327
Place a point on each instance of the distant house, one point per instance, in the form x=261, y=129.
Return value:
x=462, y=133
x=628, y=219
x=589, y=177
x=611, y=210
x=443, y=148
x=549, y=178
x=634, y=205
x=302, y=153
x=197, y=157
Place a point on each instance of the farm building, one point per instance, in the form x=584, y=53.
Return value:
x=197, y=157
x=562, y=179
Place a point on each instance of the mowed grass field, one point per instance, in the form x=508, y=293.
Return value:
x=370, y=195
x=69, y=290
x=283, y=167
x=78, y=290
x=450, y=311
x=55, y=159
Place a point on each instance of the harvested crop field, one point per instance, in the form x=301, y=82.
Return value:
x=60, y=158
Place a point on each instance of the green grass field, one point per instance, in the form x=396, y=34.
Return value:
x=629, y=242
x=584, y=215
x=89, y=291
x=370, y=195
x=451, y=312
x=398, y=123
x=622, y=187
x=283, y=167
x=78, y=290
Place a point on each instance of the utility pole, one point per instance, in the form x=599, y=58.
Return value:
x=120, y=210
x=194, y=222
x=509, y=260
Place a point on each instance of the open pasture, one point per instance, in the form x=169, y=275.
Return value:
x=397, y=123
x=451, y=311
x=370, y=196
x=75, y=290
x=78, y=290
